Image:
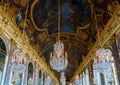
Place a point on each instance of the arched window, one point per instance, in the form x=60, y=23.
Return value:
x=2, y=59
x=30, y=74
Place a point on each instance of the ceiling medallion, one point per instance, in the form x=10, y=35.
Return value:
x=58, y=58
x=83, y=35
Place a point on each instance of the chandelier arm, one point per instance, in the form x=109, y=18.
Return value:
x=59, y=20
x=96, y=25
x=26, y=12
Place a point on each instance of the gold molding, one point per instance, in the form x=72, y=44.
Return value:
x=118, y=32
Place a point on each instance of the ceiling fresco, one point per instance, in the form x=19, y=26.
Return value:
x=104, y=10
x=78, y=31
x=73, y=13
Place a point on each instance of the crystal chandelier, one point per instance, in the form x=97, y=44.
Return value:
x=63, y=78
x=17, y=62
x=58, y=58
x=102, y=62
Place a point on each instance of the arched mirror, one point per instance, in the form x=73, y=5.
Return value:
x=2, y=58
x=30, y=74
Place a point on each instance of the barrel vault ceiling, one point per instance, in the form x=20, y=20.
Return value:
x=78, y=31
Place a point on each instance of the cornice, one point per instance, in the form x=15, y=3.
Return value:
x=8, y=26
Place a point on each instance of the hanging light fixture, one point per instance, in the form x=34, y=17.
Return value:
x=17, y=62
x=63, y=78
x=102, y=62
x=58, y=58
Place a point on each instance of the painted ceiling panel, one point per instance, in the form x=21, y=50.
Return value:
x=73, y=14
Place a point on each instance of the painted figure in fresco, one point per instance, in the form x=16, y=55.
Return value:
x=81, y=14
x=73, y=13
x=18, y=18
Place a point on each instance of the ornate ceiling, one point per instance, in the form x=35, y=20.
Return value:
x=38, y=19
x=73, y=14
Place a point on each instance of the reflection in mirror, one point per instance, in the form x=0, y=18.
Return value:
x=16, y=78
x=30, y=74
x=2, y=58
